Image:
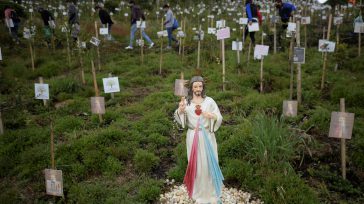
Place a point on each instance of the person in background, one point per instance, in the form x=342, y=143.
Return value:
x=253, y=14
x=73, y=20
x=137, y=15
x=12, y=21
x=48, y=21
x=105, y=19
x=168, y=23
x=285, y=12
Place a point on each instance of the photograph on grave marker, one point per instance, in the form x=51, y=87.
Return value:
x=299, y=55
x=141, y=24
x=359, y=28
x=211, y=31
x=41, y=91
x=243, y=21
x=290, y=108
x=26, y=33
x=306, y=20
x=98, y=105
x=95, y=41
x=326, y=46
x=180, y=34
x=260, y=50
x=54, y=182
x=341, y=125
x=291, y=27
x=338, y=20
x=220, y=24
x=64, y=29
x=163, y=33
x=111, y=84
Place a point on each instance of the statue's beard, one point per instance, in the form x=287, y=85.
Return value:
x=197, y=93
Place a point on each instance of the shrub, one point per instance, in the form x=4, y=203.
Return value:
x=144, y=161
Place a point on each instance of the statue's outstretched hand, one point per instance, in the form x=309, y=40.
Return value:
x=182, y=106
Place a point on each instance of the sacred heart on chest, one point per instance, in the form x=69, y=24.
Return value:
x=198, y=110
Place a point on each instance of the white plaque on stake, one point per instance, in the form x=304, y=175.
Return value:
x=179, y=87
x=141, y=24
x=64, y=29
x=223, y=33
x=126, y=14
x=291, y=27
x=326, y=46
x=64, y=13
x=243, y=21
x=341, y=125
x=26, y=33
x=111, y=85
x=359, y=28
x=162, y=33
x=306, y=20
x=95, y=41
x=338, y=20
x=9, y=23
x=254, y=27
x=180, y=34
x=211, y=31
x=104, y=31
x=41, y=91
x=220, y=24
x=260, y=50
x=290, y=108
x=299, y=55
x=98, y=105
x=54, y=182
x=1, y=55
x=237, y=45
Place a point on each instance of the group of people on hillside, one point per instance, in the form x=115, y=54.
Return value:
x=251, y=8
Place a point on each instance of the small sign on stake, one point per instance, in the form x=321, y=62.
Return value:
x=341, y=125
x=290, y=108
x=223, y=33
x=1, y=55
x=359, y=28
x=211, y=31
x=54, y=182
x=326, y=46
x=260, y=51
x=299, y=55
x=104, y=31
x=98, y=105
x=111, y=85
x=41, y=91
x=338, y=20
x=243, y=21
x=141, y=24
x=162, y=33
x=237, y=45
x=26, y=33
x=254, y=27
x=306, y=20
x=95, y=41
x=179, y=88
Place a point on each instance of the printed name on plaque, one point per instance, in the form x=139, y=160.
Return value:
x=223, y=33
x=111, y=85
x=41, y=91
x=290, y=108
x=98, y=105
x=299, y=55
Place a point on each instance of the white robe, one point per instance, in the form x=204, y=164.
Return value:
x=204, y=190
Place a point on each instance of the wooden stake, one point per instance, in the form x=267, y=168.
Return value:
x=41, y=82
x=275, y=37
x=299, y=71
x=248, y=58
x=95, y=85
x=180, y=42
x=325, y=56
x=31, y=55
x=261, y=75
x=97, y=48
x=237, y=51
x=291, y=67
x=52, y=147
x=184, y=39
x=223, y=64
x=112, y=94
x=343, y=143
x=161, y=55
x=305, y=36
x=68, y=51
x=81, y=62
x=1, y=125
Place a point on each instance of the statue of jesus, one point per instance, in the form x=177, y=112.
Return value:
x=202, y=116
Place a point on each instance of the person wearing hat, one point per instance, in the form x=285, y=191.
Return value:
x=104, y=18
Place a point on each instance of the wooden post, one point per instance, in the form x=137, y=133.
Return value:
x=325, y=56
x=291, y=67
x=95, y=85
x=81, y=62
x=275, y=36
x=248, y=58
x=223, y=64
x=97, y=49
x=199, y=48
x=323, y=37
x=184, y=39
x=68, y=51
x=161, y=54
x=41, y=82
x=31, y=55
x=52, y=147
x=180, y=42
x=359, y=45
x=52, y=36
x=261, y=75
x=1, y=125
x=305, y=36
x=237, y=51
x=112, y=94
x=343, y=143
x=299, y=73
x=141, y=43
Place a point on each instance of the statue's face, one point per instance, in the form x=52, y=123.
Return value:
x=197, y=88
